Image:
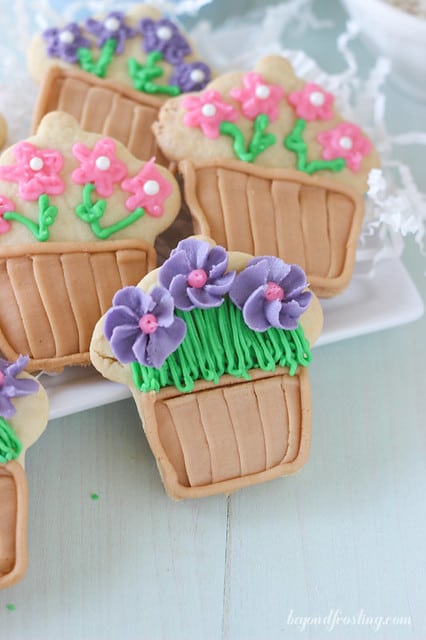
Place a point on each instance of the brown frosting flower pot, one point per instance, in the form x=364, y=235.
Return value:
x=310, y=221
x=240, y=432
x=102, y=106
x=217, y=367
x=22, y=420
x=113, y=73
x=79, y=216
x=13, y=523
x=67, y=290
x=270, y=167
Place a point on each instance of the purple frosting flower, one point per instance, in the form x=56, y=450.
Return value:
x=271, y=293
x=64, y=43
x=190, y=76
x=142, y=326
x=113, y=26
x=195, y=275
x=162, y=35
x=13, y=387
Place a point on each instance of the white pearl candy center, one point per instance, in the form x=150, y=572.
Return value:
x=262, y=91
x=197, y=75
x=151, y=187
x=36, y=164
x=317, y=98
x=164, y=33
x=346, y=142
x=103, y=163
x=66, y=37
x=112, y=24
x=208, y=110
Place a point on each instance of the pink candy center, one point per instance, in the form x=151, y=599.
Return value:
x=197, y=278
x=273, y=291
x=1, y=378
x=148, y=323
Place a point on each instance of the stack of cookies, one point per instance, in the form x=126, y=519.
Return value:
x=129, y=127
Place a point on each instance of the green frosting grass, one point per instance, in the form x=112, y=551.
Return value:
x=217, y=342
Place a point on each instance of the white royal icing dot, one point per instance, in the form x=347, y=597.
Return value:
x=263, y=92
x=197, y=75
x=208, y=110
x=151, y=187
x=317, y=98
x=36, y=163
x=346, y=142
x=164, y=33
x=112, y=24
x=66, y=37
x=103, y=163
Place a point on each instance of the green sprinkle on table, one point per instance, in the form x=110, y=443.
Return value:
x=10, y=607
x=94, y=496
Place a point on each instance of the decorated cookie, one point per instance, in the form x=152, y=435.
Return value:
x=269, y=166
x=78, y=219
x=23, y=418
x=112, y=73
x=3, y=130
x=215, y=349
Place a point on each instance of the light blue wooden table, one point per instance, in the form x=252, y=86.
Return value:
x=344, y=538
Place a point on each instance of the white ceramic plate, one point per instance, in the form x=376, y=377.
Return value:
x=369, y=304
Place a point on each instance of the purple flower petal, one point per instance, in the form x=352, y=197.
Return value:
x=164, y=306
x=195, y=250
x=7, y=410
x=13, y=387
x=278, y=269
x=177, y=264
x=163, y=342
x=272, y=311
x=178, y=290
x=254, y=310
x=18, y=387
x=216, y=262
x=122, y=340
x=201, y=299
x=221, y=286
x=134, y=298
x=289, y=315
x=248, y=280
x=295, y=281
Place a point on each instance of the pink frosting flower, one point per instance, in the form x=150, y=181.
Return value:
x=5, y=205
x=345, y=141
x=36, y=171
x=257, y=96
x=312, y=102
x=150, y=190
x=208, y=111
x=99, y=165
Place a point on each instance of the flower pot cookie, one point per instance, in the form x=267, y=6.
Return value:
x=23, y=418
x=215, y=348
x=78, y=219
x=269, y=166
x=113, y=73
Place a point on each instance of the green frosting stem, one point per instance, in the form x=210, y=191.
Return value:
x=91, y=212
x=46, y=217
x=100, y=66
x=218, y=341
x=294, y=142
x=10, y=445
x=259, y=142
x=143, y=75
